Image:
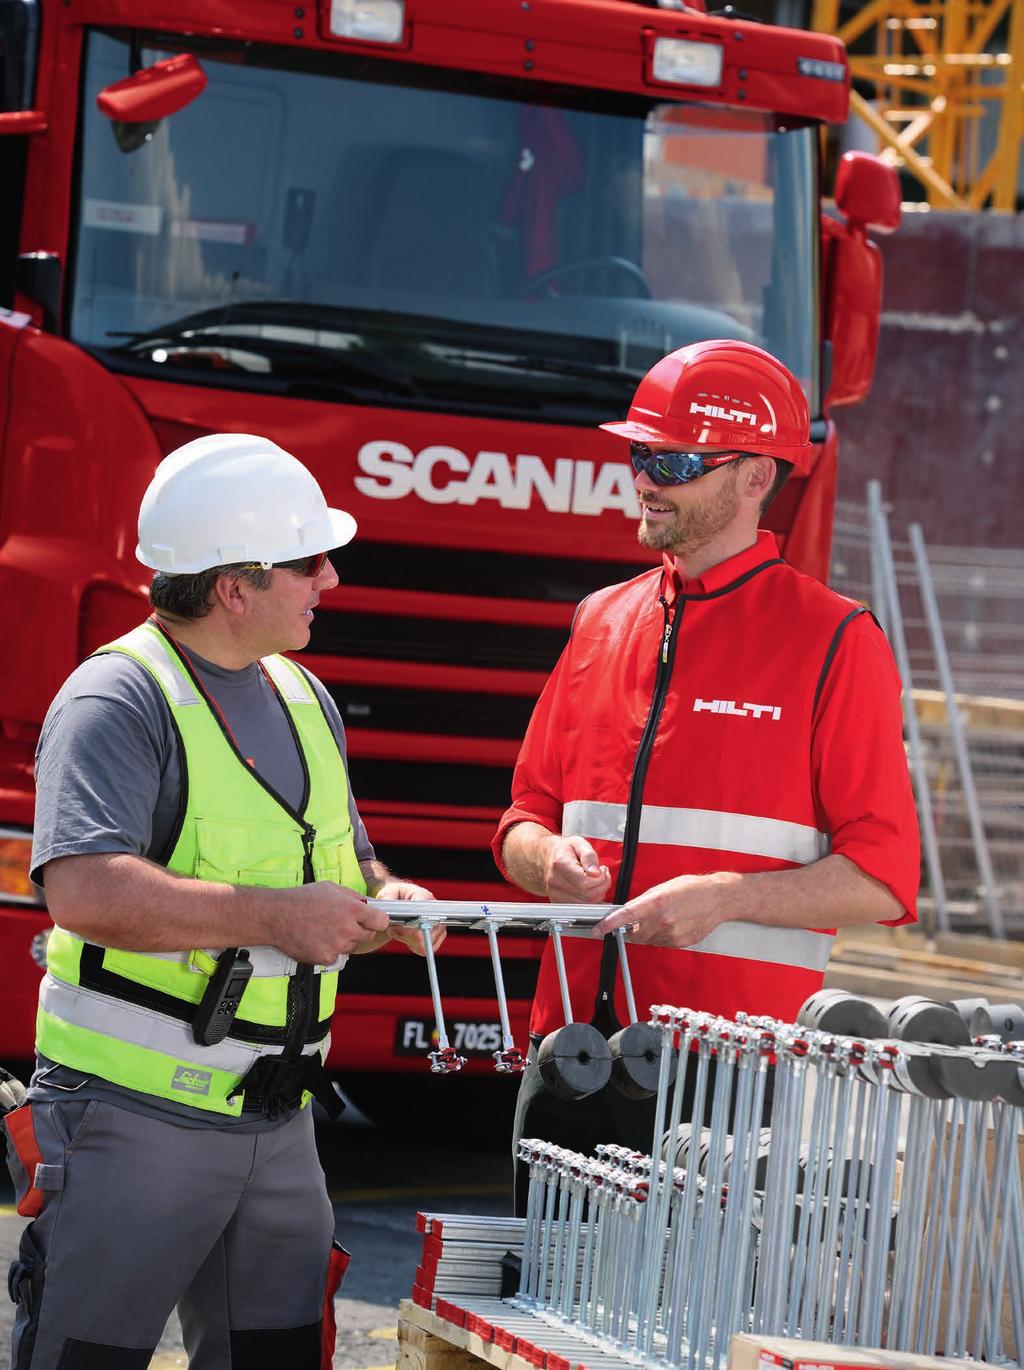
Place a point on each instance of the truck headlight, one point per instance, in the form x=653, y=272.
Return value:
x=375, y=21
x=686, y=63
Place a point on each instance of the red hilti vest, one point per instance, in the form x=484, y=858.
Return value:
x=715, y=695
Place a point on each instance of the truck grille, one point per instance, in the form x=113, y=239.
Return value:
x=444, y=641
x=457, y=713
x=489, y=575
x=424, y=782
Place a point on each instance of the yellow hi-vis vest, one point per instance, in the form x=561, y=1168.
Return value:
x=126, y=1016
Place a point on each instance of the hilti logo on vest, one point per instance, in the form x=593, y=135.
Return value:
x=715, y=411
x=745, y=710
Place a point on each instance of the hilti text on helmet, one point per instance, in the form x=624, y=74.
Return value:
x=715, y=411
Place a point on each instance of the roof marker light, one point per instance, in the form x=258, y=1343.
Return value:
x=375, y=21
x=824, y=71
x=687, y=64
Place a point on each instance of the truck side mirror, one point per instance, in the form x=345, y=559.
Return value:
x=137, y=104
x=868, y=192
x=868, y=196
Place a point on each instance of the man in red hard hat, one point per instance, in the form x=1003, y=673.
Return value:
x=719, y=748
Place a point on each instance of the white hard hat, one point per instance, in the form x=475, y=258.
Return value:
x=234, y=497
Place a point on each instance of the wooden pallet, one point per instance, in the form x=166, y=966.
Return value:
x=427, y=1342
x=481, y=1332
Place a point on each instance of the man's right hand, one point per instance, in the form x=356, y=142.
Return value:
x=572, y=872
x=317, y=923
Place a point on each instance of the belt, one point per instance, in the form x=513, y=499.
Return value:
x=276, y=1084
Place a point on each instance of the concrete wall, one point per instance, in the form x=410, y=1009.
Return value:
x=943, y=428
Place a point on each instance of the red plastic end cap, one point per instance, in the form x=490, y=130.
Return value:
x=483, y=1329
x=451, y=1312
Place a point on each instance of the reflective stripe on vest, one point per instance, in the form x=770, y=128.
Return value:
x=706, y=828
x=266, y=962
x=796, y=947
x=716, y=831
x=133, y=1039
x=121, y=1014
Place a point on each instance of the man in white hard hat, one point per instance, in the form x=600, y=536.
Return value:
x=207, y=871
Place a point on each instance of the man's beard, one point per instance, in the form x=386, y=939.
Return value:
x=692, y=526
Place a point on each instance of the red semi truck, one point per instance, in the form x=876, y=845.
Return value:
x=427, y=246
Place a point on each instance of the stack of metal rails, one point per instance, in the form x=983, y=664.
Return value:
x=882, y=1206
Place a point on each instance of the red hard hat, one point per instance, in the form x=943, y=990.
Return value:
x=724, y=395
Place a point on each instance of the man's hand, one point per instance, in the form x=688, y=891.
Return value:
x=317, y=923
x=572, y=872
x=410, y=937
x=679, y=913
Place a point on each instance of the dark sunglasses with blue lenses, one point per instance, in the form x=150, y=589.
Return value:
x=676, y=468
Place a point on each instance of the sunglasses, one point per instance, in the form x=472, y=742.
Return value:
x=311, y=567
x=677, y=468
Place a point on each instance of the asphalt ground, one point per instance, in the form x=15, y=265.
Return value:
x=449, y=1151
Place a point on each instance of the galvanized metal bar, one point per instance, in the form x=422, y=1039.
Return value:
x=956, y=732
x=470, y=913
x=881, y=1204
x=849, y=1054
x=841, y=1321
x=709, y=1235
x=880, y=533
x=563, y=981
x=627, y=979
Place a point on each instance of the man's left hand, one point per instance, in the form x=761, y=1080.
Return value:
x=411, y=937
x=679, y=913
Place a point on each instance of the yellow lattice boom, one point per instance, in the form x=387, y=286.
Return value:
x=939, y=67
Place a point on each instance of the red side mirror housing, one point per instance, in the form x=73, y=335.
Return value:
x=868, y=195
x=154, y=93
x=868, y=192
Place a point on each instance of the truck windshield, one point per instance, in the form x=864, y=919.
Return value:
x=388, y=234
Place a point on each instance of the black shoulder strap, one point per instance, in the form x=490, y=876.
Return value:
x=833, y=647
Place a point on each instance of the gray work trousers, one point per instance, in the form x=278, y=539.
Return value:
x=140, y=1216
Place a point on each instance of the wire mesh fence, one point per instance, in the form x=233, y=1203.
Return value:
x=979, y=596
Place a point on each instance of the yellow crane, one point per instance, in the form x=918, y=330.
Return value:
x=944, y=72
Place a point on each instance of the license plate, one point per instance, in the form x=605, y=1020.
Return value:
x=416, y=1036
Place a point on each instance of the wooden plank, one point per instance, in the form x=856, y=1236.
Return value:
x=436, y=1344
x=911, y=940
x=419, y=1349
x=893, y=962
x=878, y=983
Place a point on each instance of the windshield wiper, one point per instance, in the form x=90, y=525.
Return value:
x=555, y=366
x=237, y=328
x=311, y=347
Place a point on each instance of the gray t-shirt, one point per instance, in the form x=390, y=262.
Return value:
x=108, y=777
